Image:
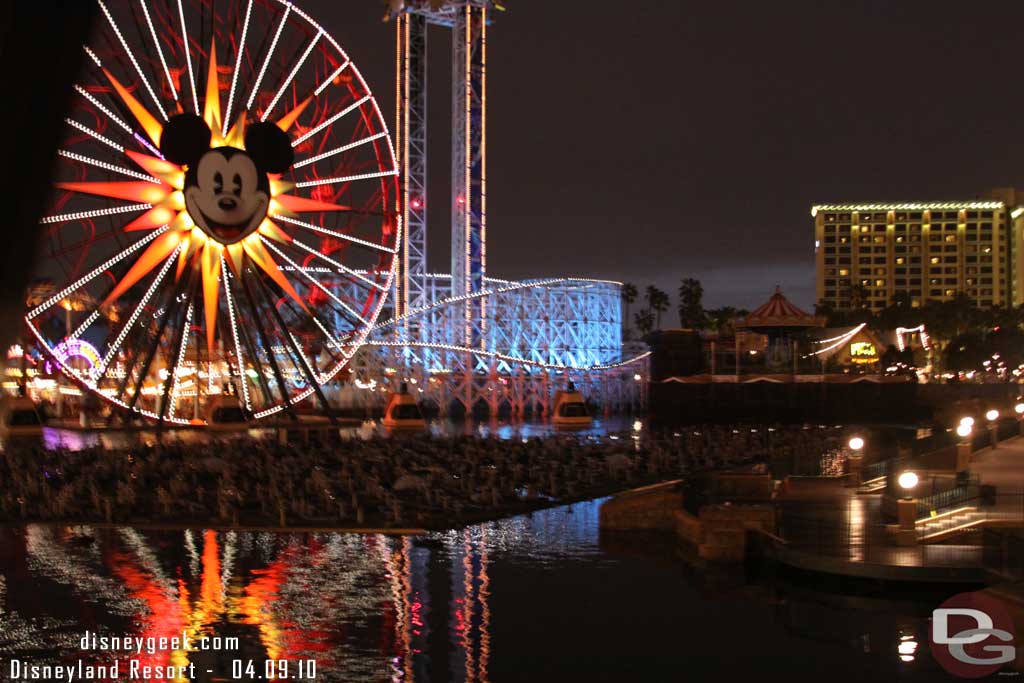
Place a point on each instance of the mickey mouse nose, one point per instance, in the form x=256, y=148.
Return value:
x=227, y=204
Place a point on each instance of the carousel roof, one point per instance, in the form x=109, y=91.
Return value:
x=779, y=312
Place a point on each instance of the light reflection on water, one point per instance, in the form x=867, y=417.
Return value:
x=538, y=597
x=55, y=438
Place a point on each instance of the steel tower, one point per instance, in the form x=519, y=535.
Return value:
x=467, y=20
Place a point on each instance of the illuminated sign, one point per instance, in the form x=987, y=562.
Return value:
x=75, y=348
x=863, y=352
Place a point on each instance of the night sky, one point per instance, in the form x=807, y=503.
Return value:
x=649, y=141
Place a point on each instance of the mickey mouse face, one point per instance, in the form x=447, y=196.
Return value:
x=227, y=191
x=228, y=196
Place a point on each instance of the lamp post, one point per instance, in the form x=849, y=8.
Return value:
x=963, y=446
x=992, y=416
x=856, y=460
x=906, y=509
x=1019, y=412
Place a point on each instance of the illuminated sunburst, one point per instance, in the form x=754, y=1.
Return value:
x=169, y=214
x=285, y=301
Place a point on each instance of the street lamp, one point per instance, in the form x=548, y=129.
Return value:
x=907, y=481
x=856, y=443
x=993, y=434
x=1019, y=409
x=964, y=430
x=969, y=421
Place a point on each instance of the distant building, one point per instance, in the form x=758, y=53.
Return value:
x=866, y=254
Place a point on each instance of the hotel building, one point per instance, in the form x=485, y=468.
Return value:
x=865, y=254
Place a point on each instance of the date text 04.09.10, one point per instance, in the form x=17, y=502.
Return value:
x=273, y=669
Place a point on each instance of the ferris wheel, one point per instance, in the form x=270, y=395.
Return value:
x=223, y=217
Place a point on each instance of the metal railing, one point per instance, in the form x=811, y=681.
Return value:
x=983, y=511
x=959, y=496
x=846, y=539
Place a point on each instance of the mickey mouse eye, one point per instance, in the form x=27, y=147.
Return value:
x=237, y=183
x=218, y=182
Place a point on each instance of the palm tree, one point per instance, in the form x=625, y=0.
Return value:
x=644, y=320
x=629, y=294
x=657, y=302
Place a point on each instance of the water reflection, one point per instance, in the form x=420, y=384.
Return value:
x=71, y=439
x=538, y=597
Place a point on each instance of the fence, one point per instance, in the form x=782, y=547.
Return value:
x=848, y=538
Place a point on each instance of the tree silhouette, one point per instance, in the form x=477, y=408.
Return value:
x=691, y=304
x=629, y=295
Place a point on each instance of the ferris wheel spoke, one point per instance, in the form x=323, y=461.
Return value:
x=326, y=290
x=330, y=79
x=335, y=234
x=107, y=167
x=101, y=369
x=348, y=271
x=240, y=359
x=338, y=150
x=302, y=362
x=172, y=305
x=159, y=50
x=170, y=397
x=346, y=179
x=131, y=56
x=291, y=76
x=99, y=270
x=94, y=135
x=238, y=69
x=266, y=342
x=188, y=56
x=250, y=348
x=332, y=120
x=85, y=325
x=132, y=133
x=270, y=53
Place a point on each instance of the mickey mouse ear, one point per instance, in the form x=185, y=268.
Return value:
x=185, y=139
x=269, y=147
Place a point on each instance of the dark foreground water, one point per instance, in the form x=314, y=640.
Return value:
x=534, y=598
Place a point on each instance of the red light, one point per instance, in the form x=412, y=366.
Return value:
x=462, y=200
x=417, y=204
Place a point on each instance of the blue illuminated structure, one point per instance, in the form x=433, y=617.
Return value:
x=465, y=338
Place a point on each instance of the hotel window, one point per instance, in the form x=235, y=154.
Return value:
x=864, y=228
x=901, y=282
x=951, y=238
x=844, y=272
x=864, y=261
x=900, y=260
x=879, y=271
x=879, y=239
x=879, y=283
x=880, y=228
x=934, y=260
x=950, y=292
x=935, y=292
x=830, y=261
x=830, y=283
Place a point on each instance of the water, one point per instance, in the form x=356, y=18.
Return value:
x=533, y=598
x=73, y=439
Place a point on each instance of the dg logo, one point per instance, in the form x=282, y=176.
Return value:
x=972, y=635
